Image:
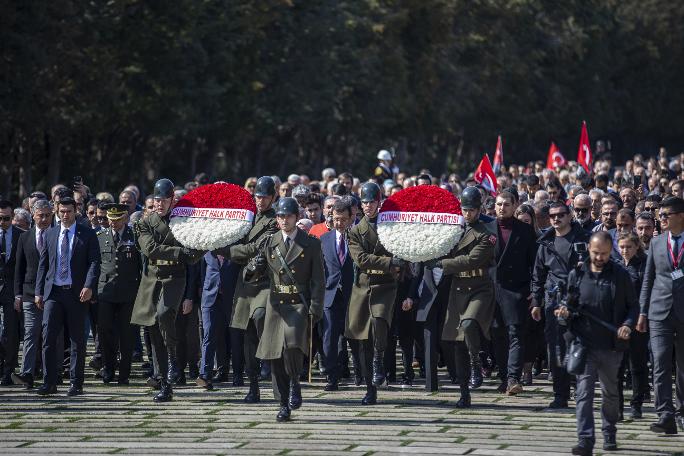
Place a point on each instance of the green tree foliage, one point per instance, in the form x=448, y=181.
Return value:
x=127, y=90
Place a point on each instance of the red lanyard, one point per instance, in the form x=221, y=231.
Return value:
x=675, y=261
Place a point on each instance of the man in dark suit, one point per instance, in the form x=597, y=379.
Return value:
x=121, y=268
x=220, y=277
x=662, y=303
x=67, y=274
x=339, y=277
x=516, y=250
x=9, y=238
x=30, y=244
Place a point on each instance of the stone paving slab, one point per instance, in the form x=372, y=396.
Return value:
x=124, y=420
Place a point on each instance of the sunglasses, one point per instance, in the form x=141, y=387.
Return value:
x=558, y=215
x=666, y=215
x=5, y=218
x=101, y=217
x=650, y=208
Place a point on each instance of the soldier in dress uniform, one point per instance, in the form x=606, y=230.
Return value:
x=120, y=270
x=385, y=169
x=471, y=300
x=162, y=285
x=371, y=306
x=294, y=263
x=251, y=292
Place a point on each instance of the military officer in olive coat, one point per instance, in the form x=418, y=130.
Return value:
x=371, y=306
x=293, y=261
x=120, y=269
x=162, y=286
x=471, y=299
x=251, y=292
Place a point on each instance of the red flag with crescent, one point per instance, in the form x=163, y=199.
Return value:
x=498, y=155
x=584, y=157
x=555, y=159
x=484, y=175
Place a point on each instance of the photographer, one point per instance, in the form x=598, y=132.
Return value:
x=560, y=250
x=601, y=307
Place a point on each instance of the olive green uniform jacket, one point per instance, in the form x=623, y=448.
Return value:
x=470, y=298
x=375, y=286
x=120, y=267
x=161, y=286
x=251, y=291
x=286, y=324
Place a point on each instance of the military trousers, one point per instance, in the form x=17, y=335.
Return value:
x=376, y=344
x=164, y=341
x=116, y=334
x=255, y=329
x=285, y=370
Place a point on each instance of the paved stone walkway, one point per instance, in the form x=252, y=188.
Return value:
x=124, y=420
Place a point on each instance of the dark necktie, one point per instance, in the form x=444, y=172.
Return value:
x=2, y=248
x=288, y=244
x=117, y=238
x=41, y=241
x=64, y=256
x=675, y=246
x=340, y=249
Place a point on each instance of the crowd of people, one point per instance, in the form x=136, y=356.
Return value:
x=556, y=262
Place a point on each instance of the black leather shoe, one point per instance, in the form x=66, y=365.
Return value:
x=107, y=377
x=371, y=397
x=406, y=381
x=582, y=449
x=123, y=382
x=609, y=443
x=203, y=382
x=295, y=400
x=193, y=372
x=379, y=369
x=636, y=413
x=23, y=379
x=665, y=426
x=283, y=414
x=165, y=393
x=558, y=404
x=253, y=395
x=464, y=401
x=332, y=385
x=46, y=390
x=75, y=390
x=7, y=379
x=220, y=377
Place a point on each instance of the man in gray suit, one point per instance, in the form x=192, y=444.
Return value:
x=662, y=302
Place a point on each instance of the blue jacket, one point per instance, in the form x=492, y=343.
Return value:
x=336, y=275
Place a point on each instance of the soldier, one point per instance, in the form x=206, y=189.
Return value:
x=251, y=292
x=120, y=270
x=371, y=306
x=471, y=300
x=163, y=284
x=385, y=169
x=294, y=262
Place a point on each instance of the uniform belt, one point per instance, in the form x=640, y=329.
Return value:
x=64, y=287
x=164, y=263
x=286, y=289
x=473, y=273
x=374, y=272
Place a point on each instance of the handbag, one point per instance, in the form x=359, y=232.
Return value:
x=576, y=357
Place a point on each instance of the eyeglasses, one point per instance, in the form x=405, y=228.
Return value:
x=101, y=217
x=665, y=215
x=581, y=210
x=558, y=215
x=650, y=208
x=5, y=218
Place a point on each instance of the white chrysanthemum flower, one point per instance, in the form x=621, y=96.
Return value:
x=207, y=233
x=416, y=242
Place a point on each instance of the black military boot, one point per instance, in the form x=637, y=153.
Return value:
x=379, y=368
x=174, y=374
x=253, y=395
x=475, y=372
x=371, y=397
x=464, y=400
x=165, y=393
x=295, y=400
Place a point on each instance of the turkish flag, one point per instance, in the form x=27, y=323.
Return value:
x=498, y=155
x=584, y=157
x=484, y=175
x=555, y=159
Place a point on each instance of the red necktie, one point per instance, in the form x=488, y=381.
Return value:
x=340, y=249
